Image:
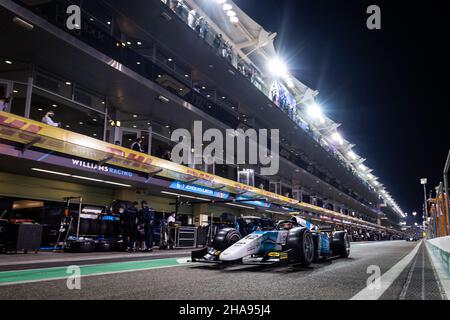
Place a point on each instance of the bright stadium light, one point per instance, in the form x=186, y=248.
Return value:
x=234, y=19
x=277, y=67
x=337, y=138
x=227, y=7
x=231, y=13
x=352, y=155
x=315, y=112
x=221, y=1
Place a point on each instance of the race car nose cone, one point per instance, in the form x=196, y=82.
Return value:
x=245, y=247
x=230, y=256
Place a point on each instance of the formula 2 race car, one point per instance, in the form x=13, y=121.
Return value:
x=292, y=241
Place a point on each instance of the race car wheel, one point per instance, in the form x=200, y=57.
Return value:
x=317, y=247
x=301, y=244
x=225, y=238
x=341, y=244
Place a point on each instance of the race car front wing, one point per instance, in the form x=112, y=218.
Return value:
x=210, y=255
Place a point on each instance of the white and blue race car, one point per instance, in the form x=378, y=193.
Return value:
x=292, y=241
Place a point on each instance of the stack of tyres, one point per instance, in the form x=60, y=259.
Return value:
x=81, y=246
x=103, y=246
x=105, y=228
x=85, y=225
x=94, y=227
x=118, y=229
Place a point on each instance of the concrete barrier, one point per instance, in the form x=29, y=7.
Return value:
x=439, y=252
x=440, y=248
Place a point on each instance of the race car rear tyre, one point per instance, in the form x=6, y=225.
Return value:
x=341, y=244
x=225, y=238
x=301, y=244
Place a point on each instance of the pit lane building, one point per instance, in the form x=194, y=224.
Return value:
x=148, y=67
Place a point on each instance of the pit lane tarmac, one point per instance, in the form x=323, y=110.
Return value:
x=338, y=279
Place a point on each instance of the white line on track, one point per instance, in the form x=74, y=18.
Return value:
x=6, y=284
x=408, y=280
x=423, y=272
x=94, y=258
x=371, y=243
x=388, y=278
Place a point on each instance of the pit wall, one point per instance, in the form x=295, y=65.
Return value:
x=440, y=248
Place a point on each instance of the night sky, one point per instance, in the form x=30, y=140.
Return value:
x=388, y=88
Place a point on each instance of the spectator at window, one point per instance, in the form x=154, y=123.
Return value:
x=204, y=29
x=179, y=7
x=241, y=67
x=218, y=41
x=225, y=50
x=4, y=101
x=137, y=145
x=167, y=155
x=230, y=53
x=198, y=25
x=48, y=119
x=173, y=4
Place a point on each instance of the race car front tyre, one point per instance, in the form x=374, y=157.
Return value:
x=300, y=242
x=317, y=247
x=341, y=244
x=225, y=238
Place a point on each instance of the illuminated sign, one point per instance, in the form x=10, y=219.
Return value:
x=178, y=185
x=95, y=167
x=256, y=203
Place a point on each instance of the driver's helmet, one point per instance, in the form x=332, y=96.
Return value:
x=286, y=225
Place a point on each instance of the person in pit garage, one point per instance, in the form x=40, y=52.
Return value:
x=48, y=119
x=170, y=222
x=147, y=218
x=137, y=145
x=172, y=218
x=131, y=226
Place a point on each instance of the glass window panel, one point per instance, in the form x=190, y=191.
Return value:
x=50, y=83
x=88, y=99
x=19, y=98
x=70, y=116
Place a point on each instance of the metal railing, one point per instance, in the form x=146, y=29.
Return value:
x=438, y=224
